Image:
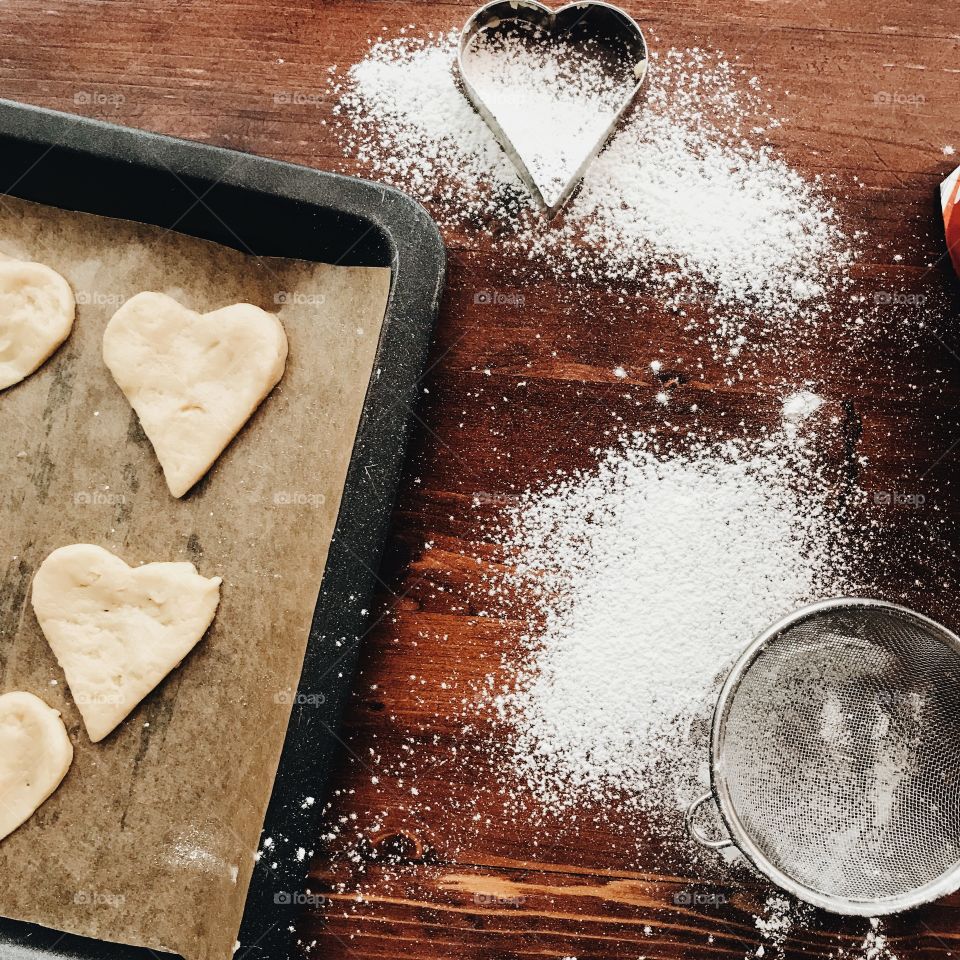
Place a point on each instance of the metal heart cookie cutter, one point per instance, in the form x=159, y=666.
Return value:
x=611, y=36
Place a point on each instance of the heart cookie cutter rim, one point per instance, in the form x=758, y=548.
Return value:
x=492, y=15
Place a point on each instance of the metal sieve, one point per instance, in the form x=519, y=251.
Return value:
x=836, y=757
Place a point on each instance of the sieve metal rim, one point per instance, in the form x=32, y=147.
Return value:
x=948, y=882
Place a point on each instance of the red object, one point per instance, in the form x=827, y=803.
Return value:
x=950, y=200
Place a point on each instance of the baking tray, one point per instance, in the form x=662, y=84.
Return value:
x=94, y=167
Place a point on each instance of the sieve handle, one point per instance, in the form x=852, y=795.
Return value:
x=711, y=843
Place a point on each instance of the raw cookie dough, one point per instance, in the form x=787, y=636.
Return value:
x=117, y=631
x=194, y=379
x=37, y=309
x=35, y=755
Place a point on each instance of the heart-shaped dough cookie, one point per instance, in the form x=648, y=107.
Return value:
x=117, y=631
x=37, y=309
x=194, y=379
x=35, y=755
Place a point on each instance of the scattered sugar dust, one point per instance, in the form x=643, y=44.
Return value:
x=875, y=945
x=688, y=203
x=781, y=916
x=776, y=923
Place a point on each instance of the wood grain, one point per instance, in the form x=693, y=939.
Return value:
x=432, y=881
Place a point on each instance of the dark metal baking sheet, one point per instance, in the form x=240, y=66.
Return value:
x=99, y=168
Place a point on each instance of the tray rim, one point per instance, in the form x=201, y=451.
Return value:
x=418, y=270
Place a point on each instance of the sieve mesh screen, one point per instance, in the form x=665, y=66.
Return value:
x=840, y=752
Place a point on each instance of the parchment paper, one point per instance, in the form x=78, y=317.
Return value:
x=150, y=839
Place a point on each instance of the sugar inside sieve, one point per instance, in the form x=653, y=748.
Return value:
x=836, y=757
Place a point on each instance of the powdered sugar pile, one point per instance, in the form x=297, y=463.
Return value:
x=734, y=215
x=688, y=202
x=650, y=574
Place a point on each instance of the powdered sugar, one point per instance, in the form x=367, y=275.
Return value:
x=410, y=125
x=688, y=202
x=798, y=406
x=875, y=945
x=651, y=573
x=730, y=213
x=776, y=923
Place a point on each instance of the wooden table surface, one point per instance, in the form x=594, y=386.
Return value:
x=871, y=91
